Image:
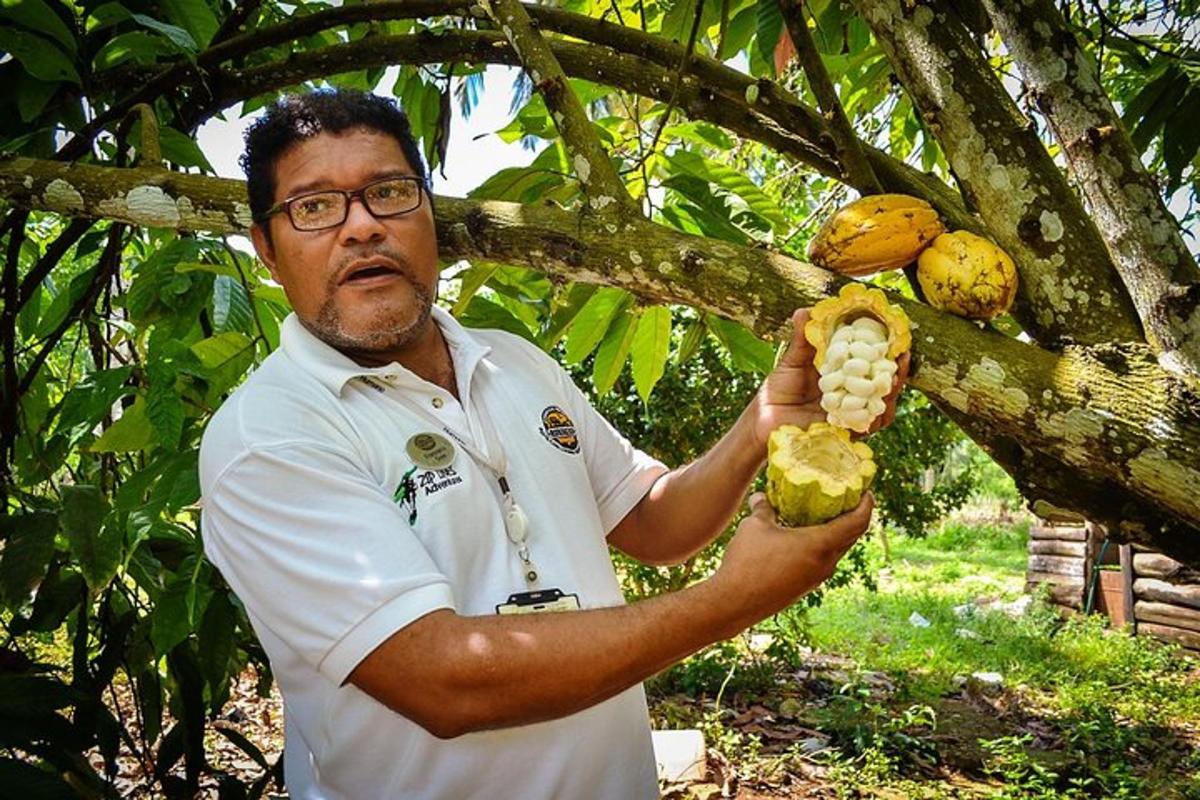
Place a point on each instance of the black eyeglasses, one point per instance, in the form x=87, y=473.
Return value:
x=328, y=208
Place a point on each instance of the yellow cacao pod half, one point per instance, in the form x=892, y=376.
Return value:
x=815, y=474
x=967, y=275
x=858, y=335
x=878, y=232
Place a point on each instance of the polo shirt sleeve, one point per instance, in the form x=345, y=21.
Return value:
x=318, y=552
x=620, y=473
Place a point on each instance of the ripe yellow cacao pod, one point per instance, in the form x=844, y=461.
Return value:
x=858, y=335
x=815, y=474
x=967, y=275
x=881, y=231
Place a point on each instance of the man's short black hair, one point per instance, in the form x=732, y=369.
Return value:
x=295, y=117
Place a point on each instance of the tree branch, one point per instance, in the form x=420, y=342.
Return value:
x=593, y=167
x=1142, y=237
x=856, y=169
x=15, y=227
x=1069, y=289
x=1108, y=414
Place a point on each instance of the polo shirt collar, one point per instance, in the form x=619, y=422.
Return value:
x=333, y=368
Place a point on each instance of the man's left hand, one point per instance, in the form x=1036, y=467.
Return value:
x=790, y=394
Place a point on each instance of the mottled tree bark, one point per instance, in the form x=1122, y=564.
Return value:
x=1124, y=200
x=1069, y=289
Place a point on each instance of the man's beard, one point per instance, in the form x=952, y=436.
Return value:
x=385, y=333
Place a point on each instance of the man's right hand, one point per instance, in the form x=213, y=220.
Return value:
x=767, y=567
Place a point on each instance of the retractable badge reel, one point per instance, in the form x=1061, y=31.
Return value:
x=516, y=526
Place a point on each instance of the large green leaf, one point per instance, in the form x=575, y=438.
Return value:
x=768, y=30
x=28, y=548
x=64, y=301
x=28, y=782
x=565, y=308
x=96, y=547
x=591, y=323
x=749, y=353
x=731, y=180
x=231, y=305
x=38, y=16
x=484, y=313
x=218, y=636
x=181, y=607
x=651, y=343
x=217, y=351
x=470, y=281
x=611, y=355
x=194, y=16
x=132, y=431
x=41, y=57
x=164, y=407
x=141, y=47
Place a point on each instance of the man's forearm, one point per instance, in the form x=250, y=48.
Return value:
x=689, y=507
x=478, y=673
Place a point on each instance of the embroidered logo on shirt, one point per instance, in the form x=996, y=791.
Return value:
x=422, y=483
x=559, y=429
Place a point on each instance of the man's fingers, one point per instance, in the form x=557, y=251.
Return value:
x=760, y=507
x=799, y=352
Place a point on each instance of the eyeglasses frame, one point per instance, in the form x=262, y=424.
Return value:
x=349, y=194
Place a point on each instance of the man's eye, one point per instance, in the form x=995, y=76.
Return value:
x=313, y=205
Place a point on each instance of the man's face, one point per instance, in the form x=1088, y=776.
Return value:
x=366, y=286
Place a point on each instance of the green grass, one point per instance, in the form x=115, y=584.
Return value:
x=1086, y=711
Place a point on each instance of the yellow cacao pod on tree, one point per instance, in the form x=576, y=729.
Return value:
x=815, y=474
x=967, y=275
x=878, y=232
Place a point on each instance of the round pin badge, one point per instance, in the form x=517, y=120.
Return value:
x=430, y=450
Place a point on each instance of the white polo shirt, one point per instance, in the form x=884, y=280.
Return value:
x=302, y=471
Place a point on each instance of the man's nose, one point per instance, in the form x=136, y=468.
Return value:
x=361, y=225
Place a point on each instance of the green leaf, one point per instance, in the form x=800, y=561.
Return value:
x=1181, y=138
x=566, y=308
x=164, y=407
x=176, y=147
x=42, y=58
x=217, y=351
x=692, y=338
x=768, y=30
x=95, y=547
x=173, y=33
x=471, y=280
x=749, y=353
x=92, y=398
x=218, y=636
x=131, y=432
x=231, y=305
x=38, y=16
x=28, y=548
x=195, y=16
x=611, y=355
x=32, y=96
x=64, y=301
x=651, y=344
x=137, y=46
x=182, y=605
x=591, y=323
x=483, y=313
x=731, y=180
x=32, y=783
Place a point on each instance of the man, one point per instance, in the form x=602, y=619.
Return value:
x=388, y=489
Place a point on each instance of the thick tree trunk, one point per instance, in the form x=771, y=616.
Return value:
x=1102, y=430
x=1069, y=289
x=1142, y=237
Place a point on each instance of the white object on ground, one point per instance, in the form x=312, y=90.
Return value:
x=680, y=755
x=917, y=621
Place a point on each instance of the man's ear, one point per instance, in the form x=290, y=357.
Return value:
x=264, y=248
